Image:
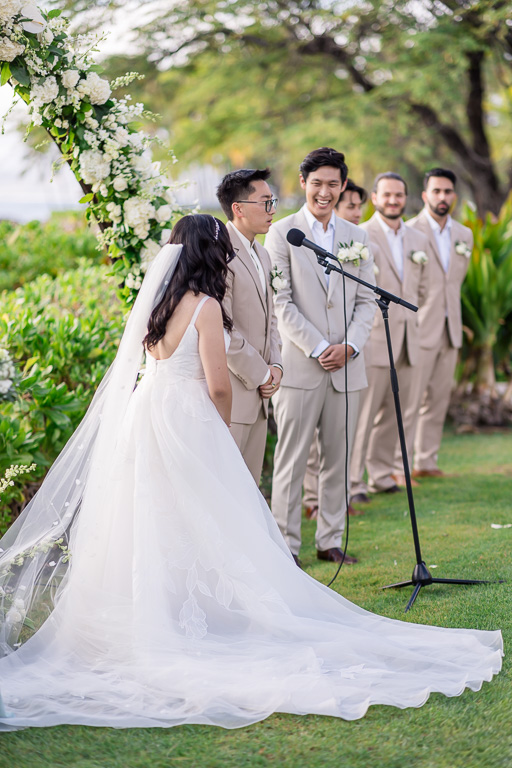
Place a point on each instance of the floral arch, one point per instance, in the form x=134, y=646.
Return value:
x=98, y=135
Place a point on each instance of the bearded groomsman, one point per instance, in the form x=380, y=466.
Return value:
x=254, y=355
x=310, y=308
x=401, y=255
x=350, y=208
x=440, y=317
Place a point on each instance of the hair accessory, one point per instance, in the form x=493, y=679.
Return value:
x=217, y=229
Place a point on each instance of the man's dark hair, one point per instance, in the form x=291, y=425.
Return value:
x=237, y=185
x=443, y=173
x=323, y=157
x=388, y=175
x=351, y=187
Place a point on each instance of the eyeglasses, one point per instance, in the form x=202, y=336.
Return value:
x=269, y=204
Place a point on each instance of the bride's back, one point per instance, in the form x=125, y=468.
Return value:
x=176, y=326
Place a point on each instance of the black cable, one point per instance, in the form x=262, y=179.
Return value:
x=344, y=550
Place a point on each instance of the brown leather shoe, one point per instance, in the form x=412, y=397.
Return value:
x=311, y=512
x=428, y=473
x=354, y=512
x=391, y=489
x=400, y=480
x=297, y=561
x=360, y=498
x=335, y=555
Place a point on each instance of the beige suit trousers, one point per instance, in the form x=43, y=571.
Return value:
x=251, y=440
x=376, y=443
x=298, y=412
x=310, y=498
x=437, y=376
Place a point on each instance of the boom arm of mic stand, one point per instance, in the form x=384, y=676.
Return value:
x=387, y=296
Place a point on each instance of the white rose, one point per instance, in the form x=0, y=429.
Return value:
x=9, y=8
x=279, y=283
x=419, y=257
x=364, y=253
x=13, y=616
x=70, y=78
x=9, y=49
x=104, y=190
x=95, y=88
x=142, y=164
x=19, y=604
x=45, y=92
x=164, y=214
x=120, y=183
x=93, y=166
x=141, y=230
x=376, y=270
x=148, y=253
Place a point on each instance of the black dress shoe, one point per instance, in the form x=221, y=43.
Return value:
x=297, y=561
x=360, y=498
x=335, y=555
x=392, y=489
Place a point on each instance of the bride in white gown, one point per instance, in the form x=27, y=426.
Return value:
x=161, y=586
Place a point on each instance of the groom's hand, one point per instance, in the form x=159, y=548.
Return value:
x=272, y=385
x=335, y=357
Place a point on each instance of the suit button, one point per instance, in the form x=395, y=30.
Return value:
x=330, y=305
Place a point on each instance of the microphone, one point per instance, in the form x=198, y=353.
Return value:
x=298, y=238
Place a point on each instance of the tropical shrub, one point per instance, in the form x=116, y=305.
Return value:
x=37, y=248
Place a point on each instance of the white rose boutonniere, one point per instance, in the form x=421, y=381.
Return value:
x=418, y=257
x=353, y=253
x=277, y=280
x=462, y=249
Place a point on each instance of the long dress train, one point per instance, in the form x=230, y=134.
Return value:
x=184, y=605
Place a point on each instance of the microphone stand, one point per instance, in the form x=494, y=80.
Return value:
x=421, y=576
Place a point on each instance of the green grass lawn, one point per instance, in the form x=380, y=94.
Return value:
x=470, y=731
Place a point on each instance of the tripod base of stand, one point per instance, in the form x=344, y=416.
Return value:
x=421, y=577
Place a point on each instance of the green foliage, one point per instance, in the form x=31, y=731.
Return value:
x=487, y=297
x=63, y=334
x=29, y=250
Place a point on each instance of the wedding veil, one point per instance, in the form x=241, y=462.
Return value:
x=36, y=553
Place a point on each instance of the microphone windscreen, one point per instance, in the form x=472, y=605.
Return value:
x=295, y=237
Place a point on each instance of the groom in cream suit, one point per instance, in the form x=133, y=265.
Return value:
x=254, y=356
x=440, y=317
x=310, y=310
x=401, y=255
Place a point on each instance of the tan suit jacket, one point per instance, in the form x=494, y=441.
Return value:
x=443, y=301
x=308, y=311
x=413, y=287
x=255, y=342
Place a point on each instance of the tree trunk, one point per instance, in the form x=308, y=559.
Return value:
x=485, y=375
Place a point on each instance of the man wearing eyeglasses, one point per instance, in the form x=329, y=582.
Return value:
x=254, y=355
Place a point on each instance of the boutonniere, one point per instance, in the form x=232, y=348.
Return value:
x=353, y=253
x=277, y=280
x=462, y=249
x=418, y=257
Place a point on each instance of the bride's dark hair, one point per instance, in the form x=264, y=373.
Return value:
x=201, y=268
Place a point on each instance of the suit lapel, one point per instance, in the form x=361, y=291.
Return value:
x=245, y=258
x=302, y=224
x=377, y=233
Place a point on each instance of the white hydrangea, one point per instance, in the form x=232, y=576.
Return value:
x=121, y=136
x=9, y=49
x=143, y=164
x=93, y=86
x=115, y=212
x=93, y=166
x=120, y=183
x=45, y=92
x=9, y=8
x=70, y=78
x=148, y=253
x=137, y=213
x=164, y=214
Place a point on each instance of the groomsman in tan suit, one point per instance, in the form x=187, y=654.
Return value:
x=254, y=355
x=350, y=208
x=402, y=255
x=440, y=317
x=310, y=311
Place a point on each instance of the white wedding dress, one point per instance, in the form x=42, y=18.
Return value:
x=184, y=605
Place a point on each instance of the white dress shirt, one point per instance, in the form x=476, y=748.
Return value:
x=325, y=239
x=396, y=243
x=443, y=239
